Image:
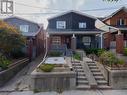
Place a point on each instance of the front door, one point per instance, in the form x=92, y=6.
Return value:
x=68, y=41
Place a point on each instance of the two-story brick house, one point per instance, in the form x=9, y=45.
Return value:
x=117, y=19
x=32, y=31
x=64, y=27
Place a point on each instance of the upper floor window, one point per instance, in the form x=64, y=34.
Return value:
x=82, y=24
x=24, y=28
x=121, y=22
x=61, y=24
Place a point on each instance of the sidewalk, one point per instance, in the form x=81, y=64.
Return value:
x=22, y=80
x=73, y=92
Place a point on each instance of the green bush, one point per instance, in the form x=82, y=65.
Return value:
x=108, y=58
x=4, y=62
x=47, y=67
x=125, y=51
x=121, y=61
x=54, y=54
x=77, y=56
x=17, y=54
x=95, y=51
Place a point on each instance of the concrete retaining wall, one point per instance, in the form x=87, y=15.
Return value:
x=53, y=81
x=7, y=74
x=117, y=79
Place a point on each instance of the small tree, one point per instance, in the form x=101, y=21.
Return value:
x=10, y=38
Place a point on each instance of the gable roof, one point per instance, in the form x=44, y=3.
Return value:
x=22, y=19
x=77, y=12
x=114, y=13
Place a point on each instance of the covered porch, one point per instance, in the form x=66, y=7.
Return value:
x=75, y=40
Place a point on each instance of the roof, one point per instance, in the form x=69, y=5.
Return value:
x=114, y=13
x=77, y=12
x=21, y=19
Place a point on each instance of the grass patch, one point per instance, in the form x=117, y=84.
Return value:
x=47, y=67
x=77, y=56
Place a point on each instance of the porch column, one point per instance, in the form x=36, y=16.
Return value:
x=101, y=36
x=73, y=42
x=119, y=43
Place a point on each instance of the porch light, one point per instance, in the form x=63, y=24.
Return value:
x=73, y=36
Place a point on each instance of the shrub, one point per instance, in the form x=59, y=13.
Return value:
x=108, y=58
x=125, y=51
x=4, y=62
x=54, y=54
x=95, y=51
x=17, y=53
x=77, y=56
x=121, y=61
x=47, y=67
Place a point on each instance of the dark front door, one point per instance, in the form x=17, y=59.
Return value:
x=68, y=41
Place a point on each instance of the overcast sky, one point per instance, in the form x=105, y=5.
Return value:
x=40, y=10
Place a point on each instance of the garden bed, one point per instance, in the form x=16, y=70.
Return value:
x=53, y=75
x=12, y=70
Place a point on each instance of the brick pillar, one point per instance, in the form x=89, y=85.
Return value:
x=119, y=43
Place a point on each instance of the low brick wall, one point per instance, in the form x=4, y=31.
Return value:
x=7, y=74
x=53, y=81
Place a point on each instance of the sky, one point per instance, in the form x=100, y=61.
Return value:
x=39, y=10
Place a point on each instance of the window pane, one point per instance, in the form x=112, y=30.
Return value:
x=82, y=24
x=24, y=28
x=61, y=25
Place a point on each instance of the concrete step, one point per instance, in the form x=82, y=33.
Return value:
x=104, y=87
x=76, y=64
x=93, y=67
x=81, y=82
x=97, y=74
x=81, y=74
x=81, y=78
x=102, y=82
x=95, y=70
x=83, y=87
x=79, y=67
x=90, y=62
x=80, y=70
x=99, y=78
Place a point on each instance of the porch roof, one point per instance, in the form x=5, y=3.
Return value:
x=75, y=32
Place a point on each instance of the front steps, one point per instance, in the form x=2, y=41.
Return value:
x=82, y=82
x=101, y=82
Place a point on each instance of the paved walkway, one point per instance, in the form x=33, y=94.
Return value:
x=73, y=92
x=22, y=80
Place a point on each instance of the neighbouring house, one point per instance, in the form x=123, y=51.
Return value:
x=73, y=29
x=117, y=19
x=32, y=31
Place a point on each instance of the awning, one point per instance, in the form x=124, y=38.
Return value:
x=106, y=28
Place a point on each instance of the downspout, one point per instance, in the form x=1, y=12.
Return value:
x=46, y=48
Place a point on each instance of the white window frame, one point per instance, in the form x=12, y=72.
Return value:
x=86, y=40
x=56, y=40
x=82, y=25
x=61, y=24
x=24, y=28
x=120, y=21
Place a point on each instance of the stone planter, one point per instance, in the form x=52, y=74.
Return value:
x=53, y=81
x=7, y=74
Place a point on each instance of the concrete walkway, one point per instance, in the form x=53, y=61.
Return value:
x=21, y=81
x=73, y=92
